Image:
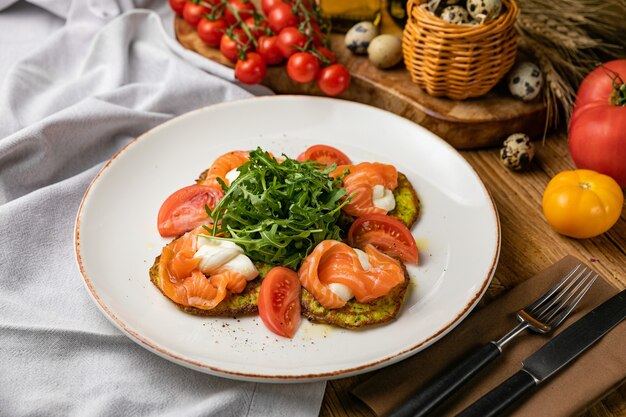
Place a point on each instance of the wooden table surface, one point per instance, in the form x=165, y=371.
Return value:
x=528, y=246
x=517, y=197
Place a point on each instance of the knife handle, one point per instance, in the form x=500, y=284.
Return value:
x=502, y=397
x=442, y=387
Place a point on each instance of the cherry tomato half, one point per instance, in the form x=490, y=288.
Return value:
x=290, y=38
x=387, y=234
x=334, y=79
x=185, y=209
x=267, y=47
x=178, y=6
x=211, y=31
x=192, y=13
x=279, y=301
x=324, y=154
x=251, y=70
x=303, y=67
x=281, y=17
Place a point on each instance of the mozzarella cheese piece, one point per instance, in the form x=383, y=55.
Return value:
x=363, y=259
x=383, y=198
x=243, y=265
x=219, y=254
x=232, y=175
x=342, y=291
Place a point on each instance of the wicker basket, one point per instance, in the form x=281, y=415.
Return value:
x=458, y=61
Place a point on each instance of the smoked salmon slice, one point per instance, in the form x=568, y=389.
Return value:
x=335, y=262
x=223, y=165
x=360, y=182
x=183, y=283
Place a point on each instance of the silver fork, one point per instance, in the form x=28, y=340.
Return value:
x=541, y=316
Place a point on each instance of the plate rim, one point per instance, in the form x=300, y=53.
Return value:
x=309, y=377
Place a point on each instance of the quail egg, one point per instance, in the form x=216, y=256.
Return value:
x=385, y=51
x=455, y=14
x=359, y=37
x=484, y=10
x=517, y=151
x=525, y=81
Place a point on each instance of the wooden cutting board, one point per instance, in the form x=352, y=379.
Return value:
x=468, y=124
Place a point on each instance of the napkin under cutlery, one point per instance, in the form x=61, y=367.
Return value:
x=586, y=381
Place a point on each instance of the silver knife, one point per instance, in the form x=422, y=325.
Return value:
x=551, y=357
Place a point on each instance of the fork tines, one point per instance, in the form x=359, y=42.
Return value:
x=559, y=302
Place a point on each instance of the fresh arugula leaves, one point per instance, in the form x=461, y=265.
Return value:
x=279, y=211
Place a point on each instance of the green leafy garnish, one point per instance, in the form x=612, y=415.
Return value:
x=279, y=211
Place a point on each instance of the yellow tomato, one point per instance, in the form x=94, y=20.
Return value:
x=582, y=203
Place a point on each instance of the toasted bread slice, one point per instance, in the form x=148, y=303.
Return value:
x=355, y=314
x=243, y=303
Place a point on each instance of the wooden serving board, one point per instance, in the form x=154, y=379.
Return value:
x=468, y=124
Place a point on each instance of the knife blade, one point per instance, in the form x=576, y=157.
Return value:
x=551, y=357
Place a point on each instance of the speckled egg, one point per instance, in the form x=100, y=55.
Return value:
x=455, y=14
x=517, y=151
x=484, y=10
x=525, y=81
x=385, y=51
x=359, y=37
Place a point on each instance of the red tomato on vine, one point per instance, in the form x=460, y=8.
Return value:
x=251, y=70
x=192, y=13
x=281, y=17
x=334, y=79
x=289, y=40
x=211, y=31
x=177, y=6
x=268, y=5
x=244, y=8
x=303, y=67
x=231, y=45
x=268, y=48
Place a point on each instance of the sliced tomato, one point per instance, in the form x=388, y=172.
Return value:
x=387, y=234
x=324, y=154
x=185, y=209
x=279, y=301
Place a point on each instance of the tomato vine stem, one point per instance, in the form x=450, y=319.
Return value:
x=618, y=95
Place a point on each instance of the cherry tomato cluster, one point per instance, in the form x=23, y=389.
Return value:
x=291, y=30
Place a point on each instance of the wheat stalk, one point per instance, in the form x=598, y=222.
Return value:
x=569, y=38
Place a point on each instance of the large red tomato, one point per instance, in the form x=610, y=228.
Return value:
x=597, y=132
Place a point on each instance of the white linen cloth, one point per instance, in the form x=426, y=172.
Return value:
x=79, y=79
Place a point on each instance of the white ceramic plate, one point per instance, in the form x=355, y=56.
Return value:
x=458, y=235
